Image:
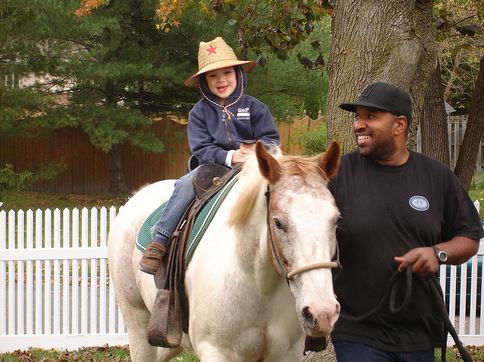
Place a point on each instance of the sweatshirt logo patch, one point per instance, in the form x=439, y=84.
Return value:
x=243, y=113
x=419, y=203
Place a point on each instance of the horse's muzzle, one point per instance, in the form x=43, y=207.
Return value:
x=319, y=321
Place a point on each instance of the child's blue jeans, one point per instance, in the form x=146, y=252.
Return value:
x=182, y=196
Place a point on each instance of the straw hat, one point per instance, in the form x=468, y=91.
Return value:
x=216, y=54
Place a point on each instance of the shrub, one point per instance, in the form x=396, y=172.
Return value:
x=11, y=180
x=314, y=141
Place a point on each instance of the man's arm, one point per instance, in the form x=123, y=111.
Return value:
x=424, y=262
x=459, y=249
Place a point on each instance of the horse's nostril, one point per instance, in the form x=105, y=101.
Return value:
x=307, y=315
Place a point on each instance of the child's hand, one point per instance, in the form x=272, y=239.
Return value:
x=241, y=154
x=247, y=147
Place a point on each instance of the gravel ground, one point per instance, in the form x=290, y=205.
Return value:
x=324, y=356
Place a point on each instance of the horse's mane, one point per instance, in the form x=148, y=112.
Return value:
x=254, y=184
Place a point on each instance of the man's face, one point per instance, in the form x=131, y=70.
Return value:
x=374, y=132
x=222, y=82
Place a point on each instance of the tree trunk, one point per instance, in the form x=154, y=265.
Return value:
x=391, y=41
x=117, y=180
x=433, y=125
x=465, y=165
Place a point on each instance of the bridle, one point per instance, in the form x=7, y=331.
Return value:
x=289, y=274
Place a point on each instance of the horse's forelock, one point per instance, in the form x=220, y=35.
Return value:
x=301, y=166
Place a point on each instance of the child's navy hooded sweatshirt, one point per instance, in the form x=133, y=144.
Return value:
x=214, y=129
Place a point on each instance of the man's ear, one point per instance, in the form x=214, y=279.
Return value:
x=400, y=125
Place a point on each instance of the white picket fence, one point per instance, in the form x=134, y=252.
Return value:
x=55, y=290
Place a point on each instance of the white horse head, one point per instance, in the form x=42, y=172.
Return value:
x=301, y=220
x=260, y=279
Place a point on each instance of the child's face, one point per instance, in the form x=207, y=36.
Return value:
x=222, y=82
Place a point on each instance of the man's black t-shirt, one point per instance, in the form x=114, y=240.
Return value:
x=385, y=212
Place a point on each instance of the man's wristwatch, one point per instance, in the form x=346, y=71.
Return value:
x=440, y=254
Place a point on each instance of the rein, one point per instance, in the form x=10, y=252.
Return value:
x=288, y=275
x=436, y=290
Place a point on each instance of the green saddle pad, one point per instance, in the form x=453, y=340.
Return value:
x=200, y=225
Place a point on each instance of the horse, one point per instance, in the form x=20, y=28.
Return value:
x=260, y=279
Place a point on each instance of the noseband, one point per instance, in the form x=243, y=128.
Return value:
x=289, y=274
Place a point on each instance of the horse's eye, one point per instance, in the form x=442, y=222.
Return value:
x=278, y=224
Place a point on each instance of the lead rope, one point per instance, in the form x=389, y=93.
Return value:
x=390, y=294
x=436, y=290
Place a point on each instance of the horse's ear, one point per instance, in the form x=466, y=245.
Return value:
x=329, y=160
x=268, y=165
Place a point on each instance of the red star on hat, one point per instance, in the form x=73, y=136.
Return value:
x=211, y=50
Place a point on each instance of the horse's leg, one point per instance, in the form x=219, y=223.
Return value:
x=139, y=315
x=294, y=352
x=136, y=322
x=210, y=353
x=133, y=308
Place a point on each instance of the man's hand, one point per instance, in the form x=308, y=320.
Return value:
x=423, y=261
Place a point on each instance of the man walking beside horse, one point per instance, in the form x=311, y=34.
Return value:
x=399, y=210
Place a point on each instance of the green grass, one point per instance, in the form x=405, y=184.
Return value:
x=121, y=354
x=85, y=354
x=476, y=191
x=452, y=355
x=96, y=354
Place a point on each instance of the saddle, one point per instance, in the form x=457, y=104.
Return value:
x=169, y=316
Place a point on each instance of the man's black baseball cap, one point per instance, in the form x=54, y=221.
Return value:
x=383, y=96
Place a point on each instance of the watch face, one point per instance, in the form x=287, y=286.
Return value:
x=441, y=255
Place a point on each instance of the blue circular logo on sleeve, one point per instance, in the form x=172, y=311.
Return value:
x=419, y=203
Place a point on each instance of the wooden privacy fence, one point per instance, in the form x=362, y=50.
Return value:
x=55, y=289
x=87, y=169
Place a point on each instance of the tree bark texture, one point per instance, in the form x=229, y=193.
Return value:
x=391, y=41
x=465, y=165
x=433, y=124
x=117, y=180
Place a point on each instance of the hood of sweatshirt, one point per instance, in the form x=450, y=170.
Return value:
x=241, y=76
